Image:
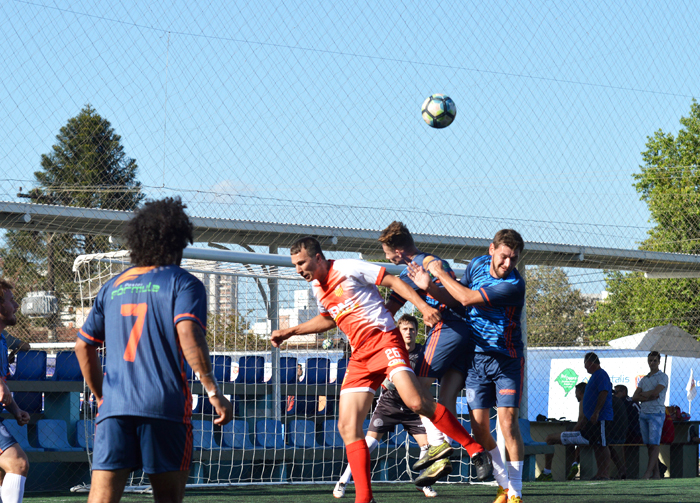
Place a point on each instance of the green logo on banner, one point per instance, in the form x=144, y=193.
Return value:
x=567, y=380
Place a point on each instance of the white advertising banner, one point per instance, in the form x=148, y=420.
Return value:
x=566, y=373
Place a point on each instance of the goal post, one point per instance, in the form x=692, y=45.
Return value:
x=285, y=400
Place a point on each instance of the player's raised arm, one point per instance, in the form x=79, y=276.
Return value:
x=431, y=316
x=316, y=325
x=458, y=291
x=90, y=366
x=422, y=279
x=196, y=352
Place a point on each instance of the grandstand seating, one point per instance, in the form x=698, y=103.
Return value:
x=203, y=435
x=331, y=437
x=342, y=368
x=269, y=433
x=84, y=433
x=67, y=367
x=53, y=435
x=31, y=366
x=288, y=370
x=251, y=370
x=29, y=401
x=318, y=371
x=235, y=435
x=302, y=434
x=21, y=435
x=221, y=365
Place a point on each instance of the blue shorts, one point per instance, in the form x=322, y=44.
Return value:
x=445, y=348
x=6, y=438
x=651, y=426
x=494, y=379
x=155, y=445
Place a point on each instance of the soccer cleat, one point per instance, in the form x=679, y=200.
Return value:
x=515, y=499
x=428, y=491
x=434, y=453
x=482, y=462
x=441, y=468
x=339, y=490
x=547, y=477
x=573, y=471
x=501, y=495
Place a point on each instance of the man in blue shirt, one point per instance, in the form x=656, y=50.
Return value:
x=13, y=461
x=493, y=293
x=150, y=319
x=597, y=408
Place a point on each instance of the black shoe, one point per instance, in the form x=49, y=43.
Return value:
x=482, y=463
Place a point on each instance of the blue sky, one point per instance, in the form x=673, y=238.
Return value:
x=309, y=112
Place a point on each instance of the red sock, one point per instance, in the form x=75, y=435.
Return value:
x=448, y=424
x=358, y=458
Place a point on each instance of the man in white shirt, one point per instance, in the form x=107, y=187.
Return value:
x=652, y=395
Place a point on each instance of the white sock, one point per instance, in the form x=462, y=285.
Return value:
x=499, y=469
x=435, y=436
x=13, y=488
x=515, y=478
x=372, y=444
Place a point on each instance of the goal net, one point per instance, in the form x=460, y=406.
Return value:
x=285, y=401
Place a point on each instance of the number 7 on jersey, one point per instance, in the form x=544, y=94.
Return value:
x=138, y=310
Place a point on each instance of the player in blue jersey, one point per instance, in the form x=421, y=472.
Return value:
x=13, y=461
x=446, y=345
x=150, y=319
x=493, y=292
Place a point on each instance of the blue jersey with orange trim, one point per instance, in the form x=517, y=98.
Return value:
x=134, y=316
x=448, y=314
x=496, y=323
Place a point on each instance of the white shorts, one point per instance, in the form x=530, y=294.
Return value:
x=573, y=438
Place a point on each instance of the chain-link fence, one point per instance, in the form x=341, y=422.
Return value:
x=576, y=125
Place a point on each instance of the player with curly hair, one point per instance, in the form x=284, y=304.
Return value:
x=150, y=319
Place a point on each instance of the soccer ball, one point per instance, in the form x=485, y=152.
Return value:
x=327, y=343
x=438, y=111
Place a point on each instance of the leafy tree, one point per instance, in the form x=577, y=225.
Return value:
x=555, y=309
x=231, y=331
x=669, y=183
x=87, y=167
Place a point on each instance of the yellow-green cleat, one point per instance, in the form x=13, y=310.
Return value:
x=573, y=471
x=544, y=477
x=441, y=468
x=434, y=453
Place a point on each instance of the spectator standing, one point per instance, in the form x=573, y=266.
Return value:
x=597, y=408
x=651, y=392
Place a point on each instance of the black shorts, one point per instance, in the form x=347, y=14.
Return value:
x=596, y=433
x=390, y=413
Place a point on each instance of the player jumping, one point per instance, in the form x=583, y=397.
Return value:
x=346, y=291
x=494, y=293
x=391, y=411
x=445, y=352
x=150, y=318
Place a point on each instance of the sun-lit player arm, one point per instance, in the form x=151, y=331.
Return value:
x=421, y=278
x=462, y=294
x=315, y=325
x=194, y=348
x=431, y=316
x=90, y=366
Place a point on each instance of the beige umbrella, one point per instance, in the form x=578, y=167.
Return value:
x=667, y=340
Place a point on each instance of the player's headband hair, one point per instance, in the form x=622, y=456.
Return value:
x=512, y=239
x=654, y=354
x=396, y=235
x=4, y=285
x=308, y=243
x=591, y=357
